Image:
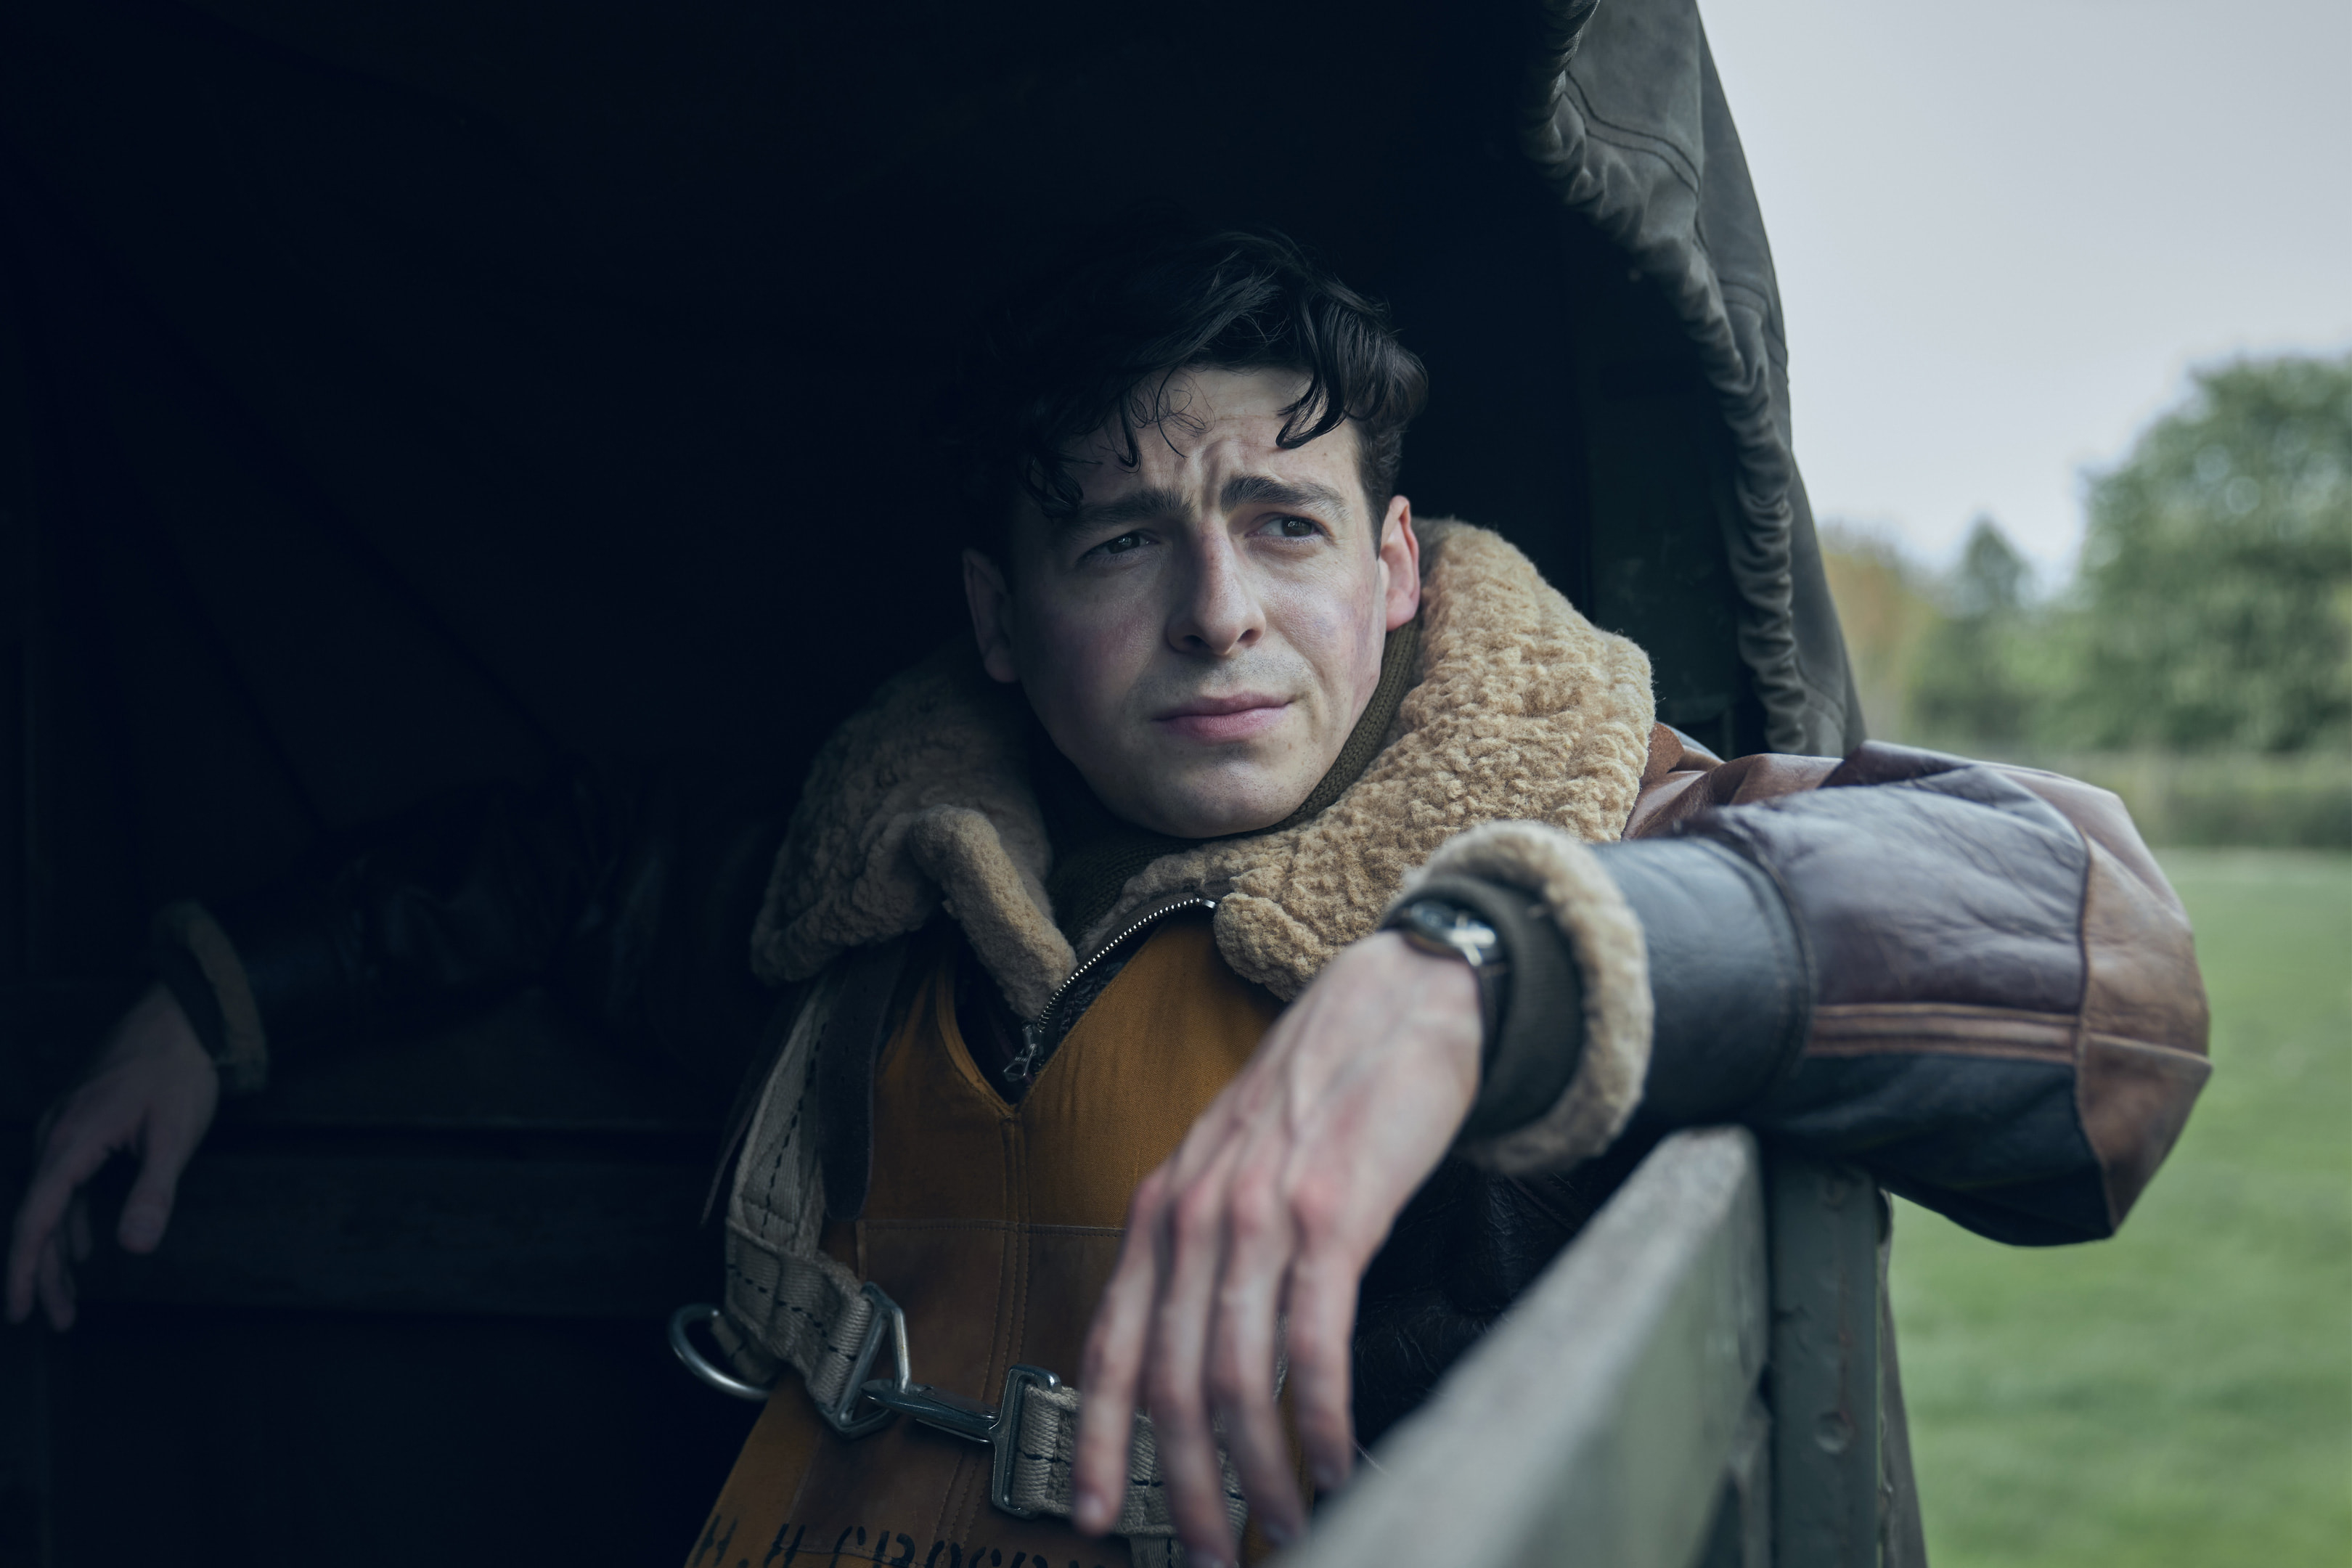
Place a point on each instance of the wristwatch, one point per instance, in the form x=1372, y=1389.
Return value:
x=1450, y=930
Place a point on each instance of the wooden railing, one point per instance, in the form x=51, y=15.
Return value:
x=1693, y=1385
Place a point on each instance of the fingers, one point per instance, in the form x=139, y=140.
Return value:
x=1118, y=1346
x=1175, y=1370
x=1240, y=1353
x=1111, y=1376
x=1204, y=1359
x=76, y=1147
x=1322, y=1325
x=1187, y=1324
x=1273, y=1204
x=1153, y=1339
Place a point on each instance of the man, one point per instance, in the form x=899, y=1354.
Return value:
x=1222, y=982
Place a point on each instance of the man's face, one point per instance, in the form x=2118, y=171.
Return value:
x=1199, y=638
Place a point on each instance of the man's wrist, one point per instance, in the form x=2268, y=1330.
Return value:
x=1450, y=988
x=1535, y=1040
x=155, y=1026
x=1452, y=930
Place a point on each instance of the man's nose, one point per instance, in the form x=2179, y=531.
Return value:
x=1217, y=612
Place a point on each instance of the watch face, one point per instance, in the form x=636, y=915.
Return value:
x=1453, y=929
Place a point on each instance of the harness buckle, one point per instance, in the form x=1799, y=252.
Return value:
x=843, y=1416
x=998, y=1427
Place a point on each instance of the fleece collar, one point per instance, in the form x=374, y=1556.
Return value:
x=921, y=803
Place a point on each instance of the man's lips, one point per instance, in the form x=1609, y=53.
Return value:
x=1224, y=718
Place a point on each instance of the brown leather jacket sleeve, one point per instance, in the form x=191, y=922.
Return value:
x=2008, y=1024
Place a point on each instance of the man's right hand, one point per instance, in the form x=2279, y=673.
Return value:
x=152, y=1091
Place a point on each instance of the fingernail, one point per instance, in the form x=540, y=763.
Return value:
x=1090, y=1511
x=139, y=1231
x=1278, y=1533
x=1328, y=1479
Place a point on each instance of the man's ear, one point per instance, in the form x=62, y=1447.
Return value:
x=990, y=602
x=1401, y=562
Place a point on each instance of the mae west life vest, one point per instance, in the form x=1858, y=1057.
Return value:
x=995, y=1226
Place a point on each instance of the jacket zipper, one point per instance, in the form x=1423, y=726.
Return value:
x=1024, y=1067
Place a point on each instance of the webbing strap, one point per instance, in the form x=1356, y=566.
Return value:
x=803, y=1307
x=813, y=1313
x=1042, y=1467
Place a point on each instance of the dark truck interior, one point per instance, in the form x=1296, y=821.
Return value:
x=401, y=399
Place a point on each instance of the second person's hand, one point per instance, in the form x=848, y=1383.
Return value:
x=152, y=1092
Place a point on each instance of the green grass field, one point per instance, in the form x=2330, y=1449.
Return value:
x=2182, y=1395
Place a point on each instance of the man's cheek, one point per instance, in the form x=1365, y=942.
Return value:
x=1093, y=663
x=1325, y=624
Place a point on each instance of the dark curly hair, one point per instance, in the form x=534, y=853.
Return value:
x=1101, y=339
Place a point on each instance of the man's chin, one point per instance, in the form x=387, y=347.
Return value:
x=1215, y=804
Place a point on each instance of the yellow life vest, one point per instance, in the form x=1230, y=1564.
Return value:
x=995, y=1228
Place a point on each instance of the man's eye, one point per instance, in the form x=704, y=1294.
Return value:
x=1122, y=545
x=1296, y=528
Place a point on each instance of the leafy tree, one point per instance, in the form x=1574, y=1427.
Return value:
x=1885, y=610
x=2216, y=600
x=1969, y=683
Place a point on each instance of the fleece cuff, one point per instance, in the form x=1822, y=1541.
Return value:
x=1603, y=1079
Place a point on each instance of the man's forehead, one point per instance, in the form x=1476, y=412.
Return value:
x=1219, y=443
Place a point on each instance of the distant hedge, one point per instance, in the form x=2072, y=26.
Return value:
x=2218, y=800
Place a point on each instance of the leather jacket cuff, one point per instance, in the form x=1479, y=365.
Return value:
x=197, y=963
x=1725, y=973
x=1528, y=1056
x=1731, y=977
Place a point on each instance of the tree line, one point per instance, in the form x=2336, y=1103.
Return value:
x=2211, y=611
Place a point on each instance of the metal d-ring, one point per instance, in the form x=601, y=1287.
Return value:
x=844, y=1416
x=725, y=1382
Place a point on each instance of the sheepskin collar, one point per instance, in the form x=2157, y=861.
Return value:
x=921, y=801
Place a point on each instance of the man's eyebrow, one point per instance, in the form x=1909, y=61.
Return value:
x=1264, y=490
x=1135, y=506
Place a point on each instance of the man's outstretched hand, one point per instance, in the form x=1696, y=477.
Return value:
x=1264, y=1221
x=152, y=1090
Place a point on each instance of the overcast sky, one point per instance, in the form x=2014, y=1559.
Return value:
x=2005, y=230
